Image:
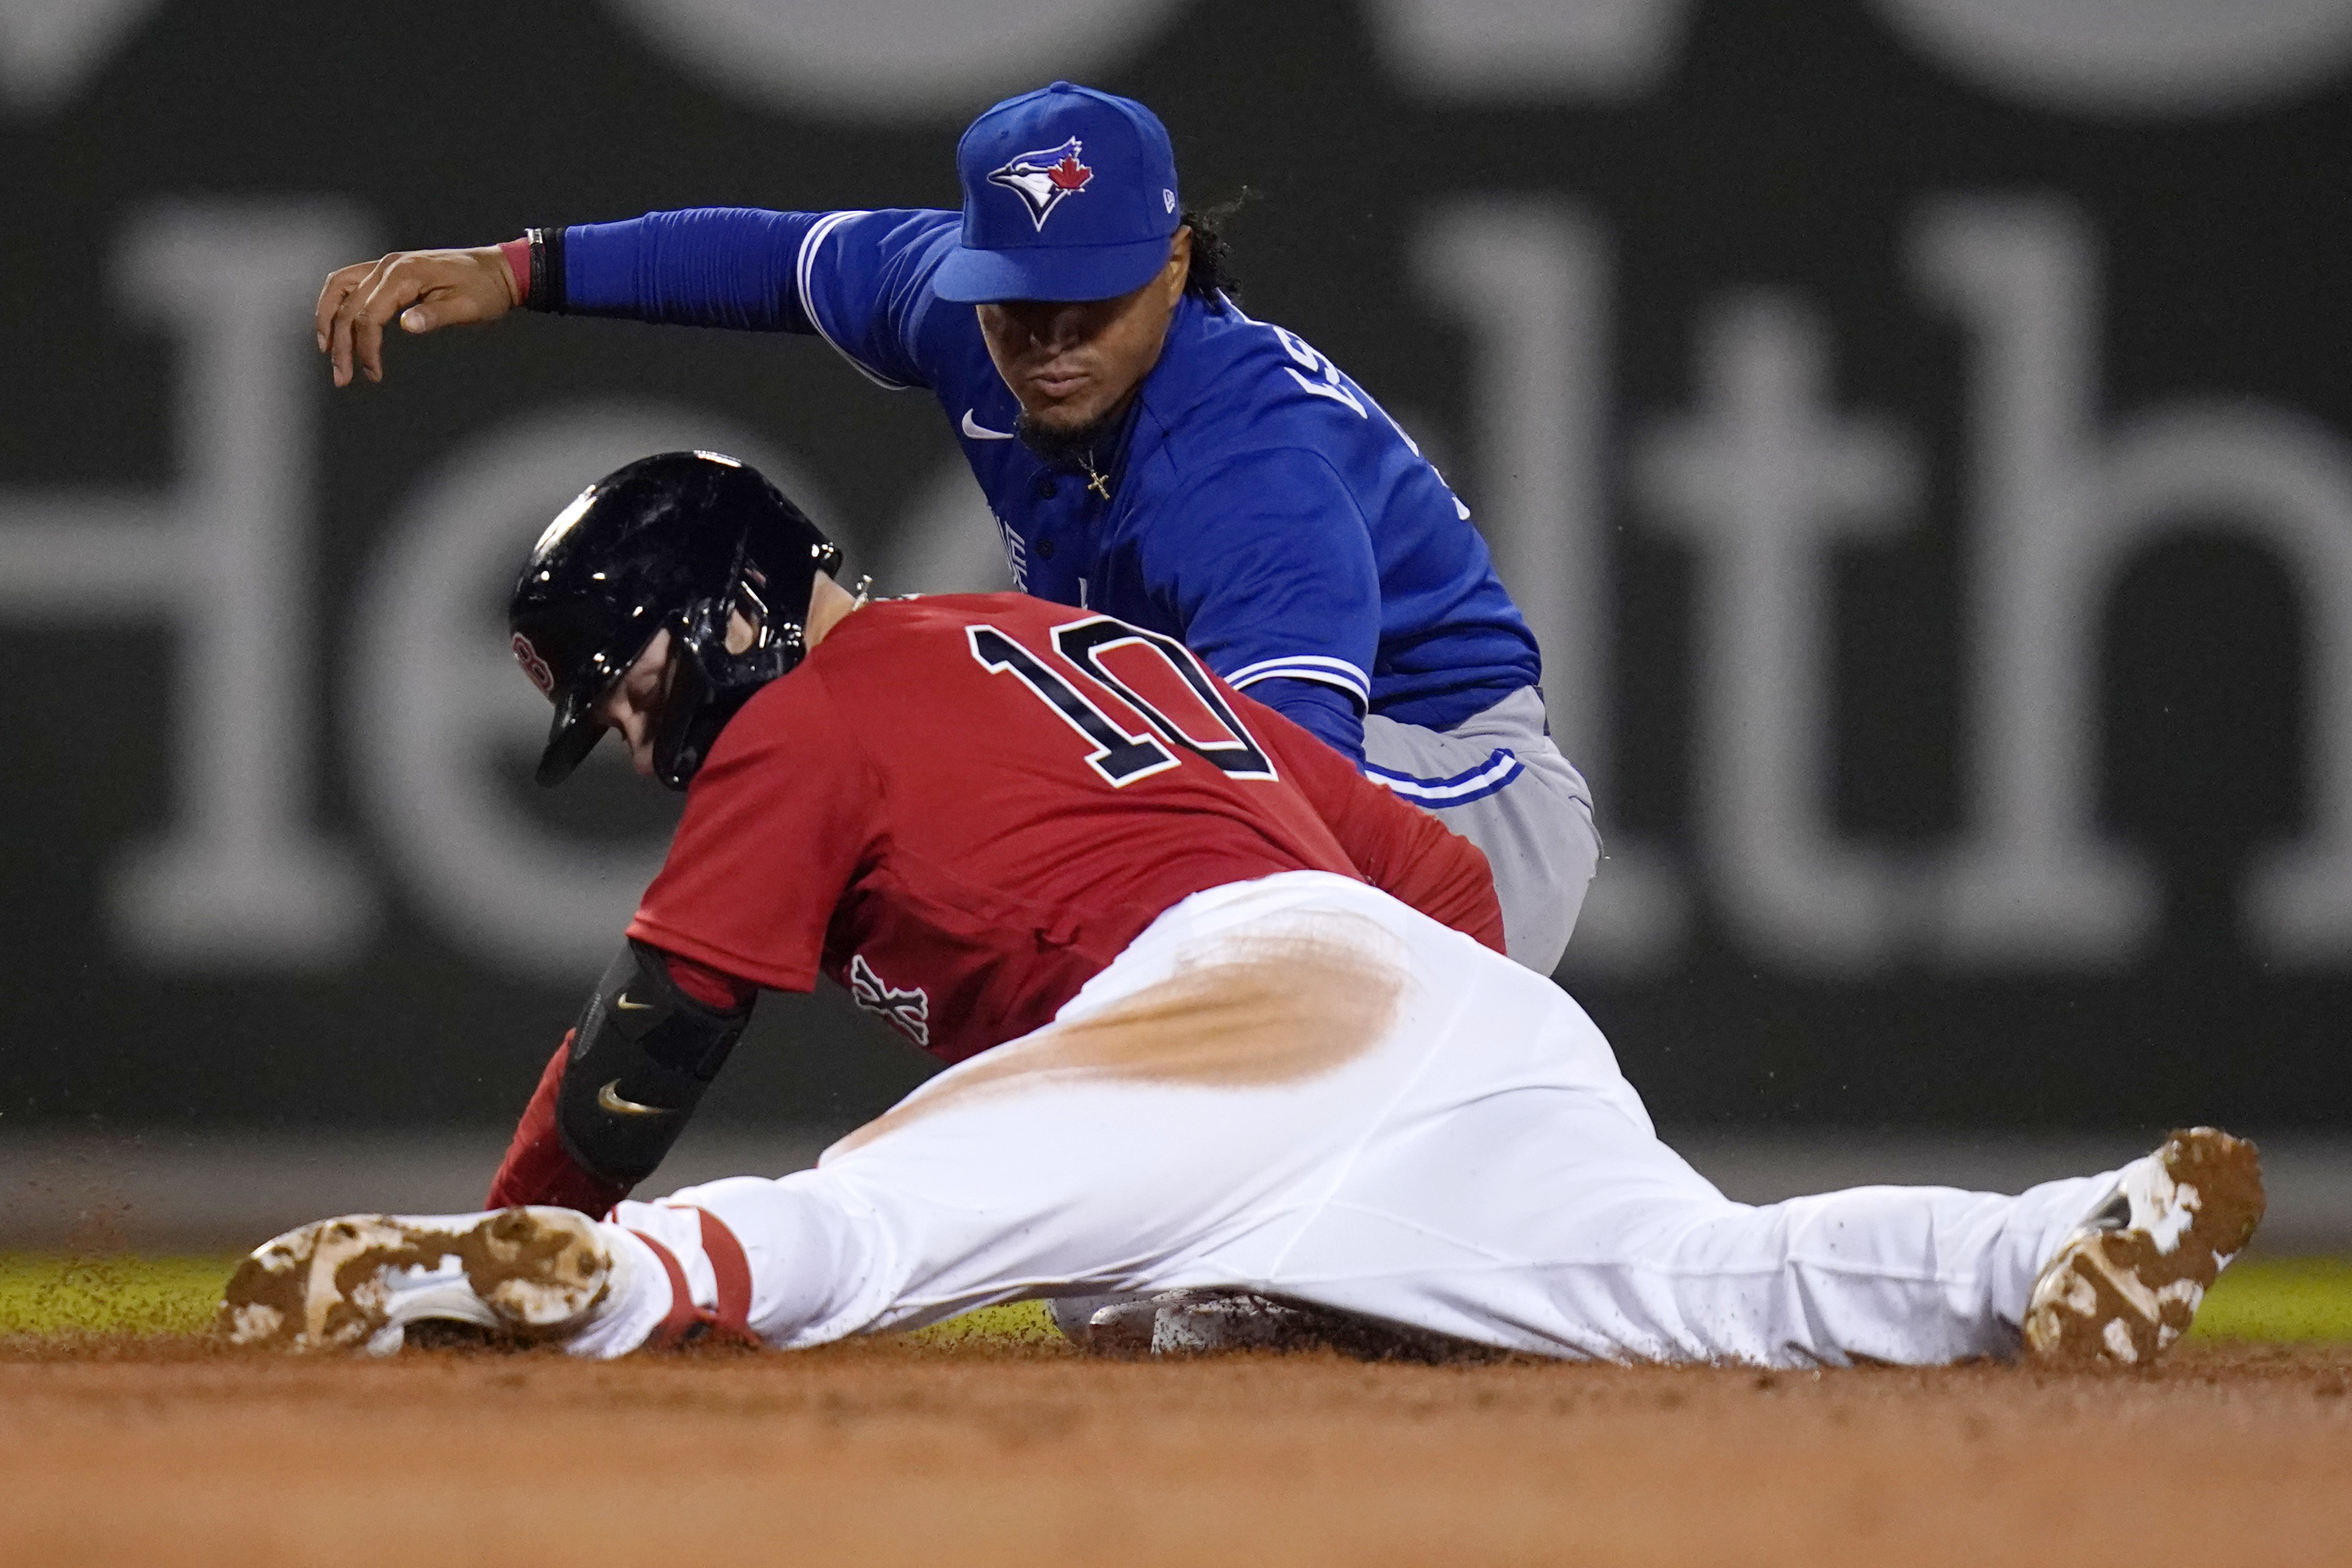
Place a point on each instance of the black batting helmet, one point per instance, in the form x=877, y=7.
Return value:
x=677, y=541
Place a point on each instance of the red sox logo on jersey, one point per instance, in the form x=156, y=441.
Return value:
x=533, y=665
x=1041, y=178
x=909, y=1012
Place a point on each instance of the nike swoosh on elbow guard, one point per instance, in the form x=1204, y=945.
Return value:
x=606, y=1100
x=981, y=432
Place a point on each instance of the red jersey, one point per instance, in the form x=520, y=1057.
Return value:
x=962, y=808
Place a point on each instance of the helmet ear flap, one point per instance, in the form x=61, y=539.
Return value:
x=683, y=725
x=704, y=684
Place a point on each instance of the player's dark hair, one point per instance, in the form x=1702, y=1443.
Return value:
x=1213, y=265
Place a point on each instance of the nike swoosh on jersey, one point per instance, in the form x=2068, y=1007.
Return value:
x=626, y=1006
x=608, y=1101
x=981, y=432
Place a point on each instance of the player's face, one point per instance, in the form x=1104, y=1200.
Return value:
x=1073, y=362
x=629, y=707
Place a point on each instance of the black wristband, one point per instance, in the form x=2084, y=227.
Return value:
x=546, y=292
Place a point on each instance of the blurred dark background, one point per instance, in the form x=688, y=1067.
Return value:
x=1919, y=430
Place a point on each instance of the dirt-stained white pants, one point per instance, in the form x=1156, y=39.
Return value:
x=1302, y=1087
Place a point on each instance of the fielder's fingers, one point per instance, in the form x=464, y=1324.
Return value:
x=382, y=303
x=340, y=282
x=391, y=290
x=339, y=330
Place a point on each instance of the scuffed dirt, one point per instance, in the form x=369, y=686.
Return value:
x=168, y=1452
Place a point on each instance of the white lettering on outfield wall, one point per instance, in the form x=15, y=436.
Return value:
x=2057, y=504
x=224, y=558
x=881, y=59
x=897, y=61
x=1763, y=475
x=49, y=48
x=2114, y=58
x=1529, y=279
x=1764, y=479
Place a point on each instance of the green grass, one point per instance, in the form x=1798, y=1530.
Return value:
x=2280, y=1300
x=1014, y=1322
x=49, y=1293
x=2293, y=1299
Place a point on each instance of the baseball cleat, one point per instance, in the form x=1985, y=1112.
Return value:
x=1187, y=1322
x=1195, y=1323
x=357, y=1282
x=2125, y=1284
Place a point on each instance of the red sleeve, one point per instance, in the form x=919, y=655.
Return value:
x=537, y=1168
x=714, y=989
x=1402, y=849
x=776, y=822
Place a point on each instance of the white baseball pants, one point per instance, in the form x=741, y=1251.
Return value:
x=1452, y=1147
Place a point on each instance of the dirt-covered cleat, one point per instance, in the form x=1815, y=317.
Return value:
x=357, y=1282
x=1187, y=1322
x=2125, y=1284
x=1208, y=1322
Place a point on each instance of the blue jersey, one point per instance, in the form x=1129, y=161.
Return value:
x=1259, y=505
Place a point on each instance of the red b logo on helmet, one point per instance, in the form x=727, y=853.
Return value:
x=533, y=665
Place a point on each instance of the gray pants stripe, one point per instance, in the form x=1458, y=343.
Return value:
x=1536, y=830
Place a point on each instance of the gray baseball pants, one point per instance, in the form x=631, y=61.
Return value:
x=1498, y=780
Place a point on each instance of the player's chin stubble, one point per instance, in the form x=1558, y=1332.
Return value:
x=1067, y=443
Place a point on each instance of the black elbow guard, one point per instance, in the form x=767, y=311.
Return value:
x=642, y=1056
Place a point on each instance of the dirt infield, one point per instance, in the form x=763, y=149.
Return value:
x=160, y=1454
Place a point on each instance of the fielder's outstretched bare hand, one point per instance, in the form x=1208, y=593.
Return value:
x=427, y=289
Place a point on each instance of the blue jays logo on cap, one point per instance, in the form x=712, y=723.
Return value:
x=1041, y=178
x=1020, y=163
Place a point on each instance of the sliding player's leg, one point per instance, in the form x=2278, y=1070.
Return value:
x=1521, y=1199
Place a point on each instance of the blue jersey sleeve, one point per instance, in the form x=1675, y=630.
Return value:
x=862, y=281
x=1267, y=563
x=1325, y=712
x=865, y=285
x=708, y=267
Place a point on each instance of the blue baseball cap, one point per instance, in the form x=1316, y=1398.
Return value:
x=1068, y=194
